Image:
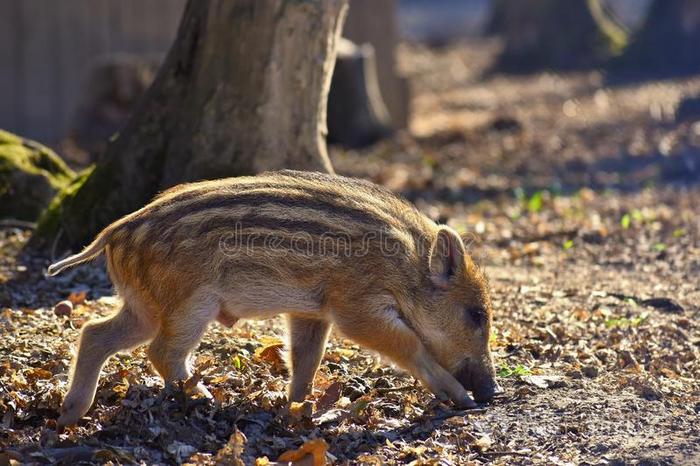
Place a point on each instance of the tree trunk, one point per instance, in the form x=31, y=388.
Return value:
x=554, y=33
x=668, y=41
x=242, y=90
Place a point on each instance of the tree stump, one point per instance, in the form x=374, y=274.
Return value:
x=375, y=22
x=357, y=115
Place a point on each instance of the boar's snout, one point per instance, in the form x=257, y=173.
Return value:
x=485, y=393
x=480, y=378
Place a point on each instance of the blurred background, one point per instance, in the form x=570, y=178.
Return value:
x=60, y=61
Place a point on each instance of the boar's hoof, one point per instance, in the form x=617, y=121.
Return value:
x=71, y=412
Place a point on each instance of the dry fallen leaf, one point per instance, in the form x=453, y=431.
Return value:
x=332, y=415
x=272, y=353
x=121, y=389
x=329, y=397
x=483, y=443
x=232, y=452
x=77, y=298
x=37, y=373
x=219, y=394
x=316, y=448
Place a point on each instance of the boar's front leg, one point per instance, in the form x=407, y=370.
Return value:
x=307, y=342
x=383, y=331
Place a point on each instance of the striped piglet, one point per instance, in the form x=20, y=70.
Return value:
x=324, y=250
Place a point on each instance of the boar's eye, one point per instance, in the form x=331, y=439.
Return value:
x=476, y=314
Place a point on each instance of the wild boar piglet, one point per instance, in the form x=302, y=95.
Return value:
x=324, y=250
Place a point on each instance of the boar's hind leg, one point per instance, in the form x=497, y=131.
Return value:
x=178, y=336
x=307, y=342
x=383, y=331
x=100, y=339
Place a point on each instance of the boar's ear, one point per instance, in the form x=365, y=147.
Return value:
x=446, y=256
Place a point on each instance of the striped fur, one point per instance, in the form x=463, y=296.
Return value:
x=323, y=249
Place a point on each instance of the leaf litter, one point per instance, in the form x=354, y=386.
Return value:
x=596, y=325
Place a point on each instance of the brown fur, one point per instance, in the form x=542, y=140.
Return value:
x=395, y=282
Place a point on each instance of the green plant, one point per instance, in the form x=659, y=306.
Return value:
x=660, y=247
x=534, y=204
x=626, y=221
x=616, y=322
x=518, y=371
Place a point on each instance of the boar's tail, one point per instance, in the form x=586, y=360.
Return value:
x=93, y=250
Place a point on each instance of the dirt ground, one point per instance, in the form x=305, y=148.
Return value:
x=581, y=195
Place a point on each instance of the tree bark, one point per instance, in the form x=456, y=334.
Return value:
x=553, y=34
x=243, y=90
x=668, y=41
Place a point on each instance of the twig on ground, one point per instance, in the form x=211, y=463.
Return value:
x=505, y=453
x=14, y=223
x=461, y=412
x=660, y=303
x=384, y=390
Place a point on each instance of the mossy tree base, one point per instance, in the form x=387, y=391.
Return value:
x=243, y=90
x=30, y=175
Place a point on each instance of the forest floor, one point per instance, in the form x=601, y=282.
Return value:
x=582, y=197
